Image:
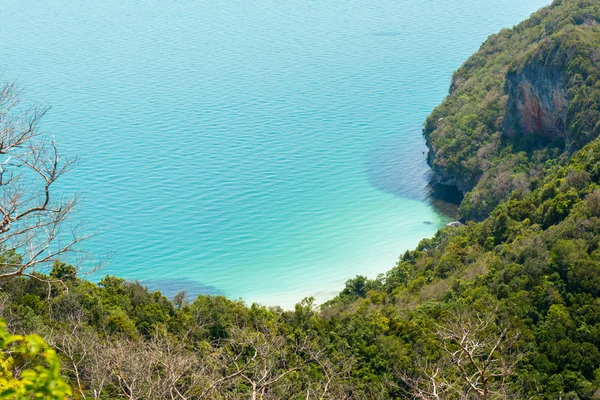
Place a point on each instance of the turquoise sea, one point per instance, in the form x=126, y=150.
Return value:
x=263, y=149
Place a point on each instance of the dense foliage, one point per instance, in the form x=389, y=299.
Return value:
x=474, y=136
x=36, y=365
x=530, y=272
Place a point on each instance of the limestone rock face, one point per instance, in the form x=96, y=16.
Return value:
x=537, y=101
x=441, y=176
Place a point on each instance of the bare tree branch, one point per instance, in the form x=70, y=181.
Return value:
x=32, y=216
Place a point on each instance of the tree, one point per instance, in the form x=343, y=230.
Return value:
x=32, y=216
x=479, y=355
x=483, y=352
x=41, y=381
x=256, y=363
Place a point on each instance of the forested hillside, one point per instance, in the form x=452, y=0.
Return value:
x=529, y=95
x=519, y=291
x=504, y=308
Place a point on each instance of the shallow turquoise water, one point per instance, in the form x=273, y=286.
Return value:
x=267, y=150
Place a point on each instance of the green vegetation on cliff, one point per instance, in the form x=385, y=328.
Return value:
x=530, y=94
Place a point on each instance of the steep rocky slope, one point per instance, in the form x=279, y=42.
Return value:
x=529, y=95
x=537, y=101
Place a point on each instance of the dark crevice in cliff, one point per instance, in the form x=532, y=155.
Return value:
x=447, y=193
x=445, y=199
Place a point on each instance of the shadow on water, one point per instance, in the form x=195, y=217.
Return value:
x=170, y=287
x=388, y=33
x=403, y=172
x=398, y=169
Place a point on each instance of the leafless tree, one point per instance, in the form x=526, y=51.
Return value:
x=483, y=350
x=480, y=354
x=32, y=217
x=158, y=368
x=335, y=370
x=75, y=344
x=430, y=382
x=259, y=360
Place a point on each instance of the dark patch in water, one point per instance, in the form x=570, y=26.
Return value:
x=402, y=170
x=387, y=34
x=446, y=209
x=398, y=169
x=404, y=173
x=428, y=222
x=170, y=287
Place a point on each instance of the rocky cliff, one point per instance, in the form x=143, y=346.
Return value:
x=528, y=95
x=538, y=101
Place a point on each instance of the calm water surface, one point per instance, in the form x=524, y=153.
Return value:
x=263, y=149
